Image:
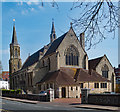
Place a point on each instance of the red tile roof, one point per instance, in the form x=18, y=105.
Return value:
x=5, y=75
x=89, y=76
x=59, y=77
x=65, y=76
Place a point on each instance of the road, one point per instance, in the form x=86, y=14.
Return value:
x=14, y=106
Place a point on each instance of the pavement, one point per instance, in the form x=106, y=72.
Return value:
x=21, y=100
x=74, y=102
x=99, y=107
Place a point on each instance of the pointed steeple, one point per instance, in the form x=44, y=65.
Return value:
x=14, y=37
x=71, y=24
x=52, y=35
x=53, y=28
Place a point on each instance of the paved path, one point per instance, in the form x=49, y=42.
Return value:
x=67, y=100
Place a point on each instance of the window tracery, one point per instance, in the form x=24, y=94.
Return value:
x=72, y=56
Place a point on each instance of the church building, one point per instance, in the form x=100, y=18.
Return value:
x=62, y=65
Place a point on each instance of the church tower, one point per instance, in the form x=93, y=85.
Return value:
x=15, y=60
x=52, y=35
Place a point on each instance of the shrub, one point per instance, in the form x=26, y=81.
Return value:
x=18, y=91
x=4, y=91
x=12, y=91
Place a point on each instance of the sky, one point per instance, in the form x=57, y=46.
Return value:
x=33, y=26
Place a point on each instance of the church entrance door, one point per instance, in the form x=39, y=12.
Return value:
x=63, y=92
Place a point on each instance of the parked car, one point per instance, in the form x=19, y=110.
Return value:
x=109, y=92
x=42, y=93
x=112, y=93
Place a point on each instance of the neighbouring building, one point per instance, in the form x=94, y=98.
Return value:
x=4, y=80
x=62, y=65
x=5, y=75
x=117, y=74
x=4, y=84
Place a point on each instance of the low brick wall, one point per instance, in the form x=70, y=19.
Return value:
x=34, y=97
x=104, y=99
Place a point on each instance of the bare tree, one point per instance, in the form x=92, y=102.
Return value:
x=96, y=19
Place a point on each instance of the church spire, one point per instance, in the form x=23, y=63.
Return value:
x=14, y=37
x=53, y=28
x=52, y=35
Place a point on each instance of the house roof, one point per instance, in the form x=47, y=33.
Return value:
x=88, y=76
x=59, y=77
x=94, y=62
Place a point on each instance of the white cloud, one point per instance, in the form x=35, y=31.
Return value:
x=36, y=3
x=29, y=3
x=32, y=9
x=20, y=3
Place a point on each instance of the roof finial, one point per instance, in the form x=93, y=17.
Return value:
x=14, y=22
x=71, y=24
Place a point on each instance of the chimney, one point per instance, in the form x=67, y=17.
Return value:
x=82, y=40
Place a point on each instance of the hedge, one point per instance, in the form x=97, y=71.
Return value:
x=4, y=91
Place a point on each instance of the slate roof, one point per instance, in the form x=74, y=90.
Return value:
x=35, y=57
x=88, y=76
x=14, y=37
x=59, y=77
x=94, y=62
x=32, y=59
x=55, y=45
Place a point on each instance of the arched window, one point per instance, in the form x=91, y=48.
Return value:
x=16, y=54
x=105, y=70
x=72, y=56
x=49, y=63
x=18, y=64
